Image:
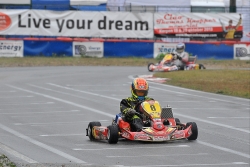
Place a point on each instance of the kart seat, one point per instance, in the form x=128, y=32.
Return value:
x=192, y=59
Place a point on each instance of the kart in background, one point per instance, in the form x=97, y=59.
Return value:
x=159, y=126
x=165, y=65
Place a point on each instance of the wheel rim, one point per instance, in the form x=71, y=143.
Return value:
x=89, y=131
x=108, y=134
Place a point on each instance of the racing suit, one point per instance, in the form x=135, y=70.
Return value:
x=127, y=104
x=180, y=60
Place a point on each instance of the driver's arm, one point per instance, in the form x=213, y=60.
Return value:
x=125, y=106
x=184, y=57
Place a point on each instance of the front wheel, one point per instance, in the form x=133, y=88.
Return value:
x=194, y=130
x=113, y=134
x=149, y=64
x=90, y=129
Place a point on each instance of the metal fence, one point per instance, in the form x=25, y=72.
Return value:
x=131, y=8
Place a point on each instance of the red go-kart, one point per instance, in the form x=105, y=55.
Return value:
x=159, y=126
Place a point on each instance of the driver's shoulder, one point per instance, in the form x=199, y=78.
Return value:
x=148, y=98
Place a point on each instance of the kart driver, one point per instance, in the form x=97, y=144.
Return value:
x=139, y=91
x=180, y=59
x=180, y=56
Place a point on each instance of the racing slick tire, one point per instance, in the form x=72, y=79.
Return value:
x=194, y=129
x=113, y=134
x=90, y=128
x=149, y=64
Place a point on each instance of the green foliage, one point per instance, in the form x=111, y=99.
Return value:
x=160, y=56
x=5, y=162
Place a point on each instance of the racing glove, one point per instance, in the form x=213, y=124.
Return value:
x=174, y=57
x=130, y=113
x=179, y=57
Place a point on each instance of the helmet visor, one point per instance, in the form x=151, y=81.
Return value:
x=179, y=50
x=141, y=92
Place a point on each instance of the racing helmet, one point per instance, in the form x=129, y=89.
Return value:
x=180, y=47
x=139, y=88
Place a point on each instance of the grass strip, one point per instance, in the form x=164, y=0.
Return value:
x=226, y=81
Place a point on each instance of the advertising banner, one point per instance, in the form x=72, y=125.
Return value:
x=91, y=49
x=163, y=48
x=76, y=23
x=15, y=2
x=198, y=25
x=9, y=48
x=242, y=51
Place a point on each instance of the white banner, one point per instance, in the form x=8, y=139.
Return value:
x=158, y=3
x=16, y=2
x=201, y=25
x=76, y=23
x=91, y=49
x=163, y=48
x=242, y=51
x=10, y=48
x=87, y=2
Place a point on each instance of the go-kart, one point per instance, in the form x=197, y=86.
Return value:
x=159, y=126
x=166, y=64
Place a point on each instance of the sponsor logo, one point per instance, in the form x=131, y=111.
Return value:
x=141, y=137
x=125, y=134
x=5, y=21
x=179, y=134
x=159, y=138
x=248, y=35
x=242, y=52
x=83, y=50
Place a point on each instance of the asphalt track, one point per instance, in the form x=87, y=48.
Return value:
x=44, y=112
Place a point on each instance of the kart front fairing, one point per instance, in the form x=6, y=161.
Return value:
x=158, y=132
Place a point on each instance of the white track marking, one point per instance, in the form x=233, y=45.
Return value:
x=199, y=95
x=61, y=92
x=202, y=120
x=45, y=112
x=53, y=123
x=29, y=108
x=17, y=154
x=158, y=155
x=127, y=148
x=21, y=104
x=190, y=90
x=224, y=149
x=59, y=135
x=65, y=101
x=14, y=97
x=213, y=123
x=7, y=91
x=90, y=93
x=42, y=145
x=229, y=117
x=119, y=85
x=219, y=164
x=110, y=115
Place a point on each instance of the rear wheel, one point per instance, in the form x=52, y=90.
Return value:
x=177, y=120
x=149, y=66
x=194, y=130
x=113, y=134
x=90, y=129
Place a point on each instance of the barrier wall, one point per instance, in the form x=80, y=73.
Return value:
x=124, y=49
x=118, y=48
